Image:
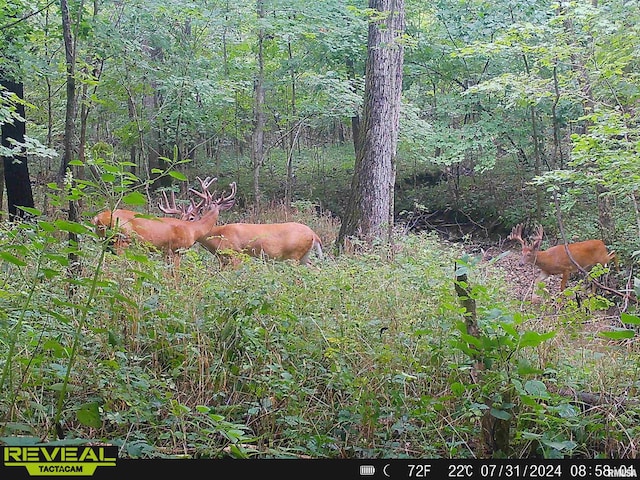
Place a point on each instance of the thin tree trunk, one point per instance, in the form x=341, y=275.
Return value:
x=257, y=151
x=69, y=132
x=69, y=123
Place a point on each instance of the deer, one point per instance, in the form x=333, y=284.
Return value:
x=277, y=241
x=167, y=234
x=561, y=259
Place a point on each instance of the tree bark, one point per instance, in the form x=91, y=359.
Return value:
x=69, y=133
x=16, y=170
x=257, y=152
x=69, y=122
x=369, y=213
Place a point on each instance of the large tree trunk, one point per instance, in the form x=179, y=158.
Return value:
x=369, y=212
x=16, y=171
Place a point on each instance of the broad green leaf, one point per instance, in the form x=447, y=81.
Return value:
x=108, y=177
x=618, y=334
x=72, y=227
x=31, y=211
x=536, y=388
x=533, y=339
x=89, y=414
x=19, y=441
x=501, y=414
x=134, y=198
x=177, y=175
x=630, y=319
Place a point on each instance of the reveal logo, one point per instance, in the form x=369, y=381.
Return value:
x=60, y=461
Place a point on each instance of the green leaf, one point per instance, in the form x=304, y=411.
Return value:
x=177, y=175
x=457, y=388
x=562, y=446
x=31, y=211
x=501, y=414
x=533, y=339
x=134, y=198
x=20, y=441
x=88, y=414
x=72, y=227
x=536, y=388
x=7, y=257
x=618, y=334
x=630, y=319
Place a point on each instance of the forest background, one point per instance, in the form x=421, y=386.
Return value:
x=512, y=112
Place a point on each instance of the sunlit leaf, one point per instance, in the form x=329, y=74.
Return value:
x=134, y=198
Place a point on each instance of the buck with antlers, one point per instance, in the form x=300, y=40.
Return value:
x=166, y=233
x=561, y=259
x=276, y=241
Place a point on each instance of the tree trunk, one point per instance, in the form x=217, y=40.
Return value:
x=369, y=213
x=69, y=132
x=257, y=152
x=16, y=171
x=69, y=122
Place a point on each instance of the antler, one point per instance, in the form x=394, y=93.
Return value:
x=516, y=234
x=537, y=236
x=225, y=203
x=222, y=203
x=206, y=195
x=171, y=207
x=192, y=211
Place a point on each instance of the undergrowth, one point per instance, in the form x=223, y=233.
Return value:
x=358, y=356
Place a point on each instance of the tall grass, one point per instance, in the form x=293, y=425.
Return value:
x=356, y=356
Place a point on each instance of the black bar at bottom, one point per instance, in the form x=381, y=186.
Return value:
x=437, y=469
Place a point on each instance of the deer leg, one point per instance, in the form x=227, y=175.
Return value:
x=563, y=283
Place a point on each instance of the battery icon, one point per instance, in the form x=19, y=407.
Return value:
x=367, y=470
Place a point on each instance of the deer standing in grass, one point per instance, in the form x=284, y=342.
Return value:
x=277, y=241
x=581, y=256
x=166, y=233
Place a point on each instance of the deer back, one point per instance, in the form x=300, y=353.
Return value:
x=555, y=260
x=279, y=241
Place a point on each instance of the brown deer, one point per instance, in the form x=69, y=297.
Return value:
x=277, y=241
x=561, y=259
x=167, y=234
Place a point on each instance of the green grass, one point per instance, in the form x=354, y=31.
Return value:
x=357, y=356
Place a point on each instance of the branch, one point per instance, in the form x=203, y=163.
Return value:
x=22, y=19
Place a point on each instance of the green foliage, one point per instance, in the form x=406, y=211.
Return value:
x=362, y=355
x=359, y=356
